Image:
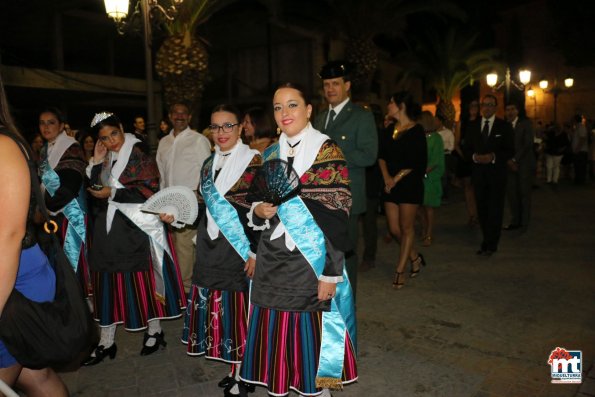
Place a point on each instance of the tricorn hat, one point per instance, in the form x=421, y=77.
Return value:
x=334, y=69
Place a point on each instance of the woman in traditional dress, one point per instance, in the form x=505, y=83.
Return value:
x=402, y=159
x=135, y=278
x=225, y=250
x=62, y=171
x=300, y=290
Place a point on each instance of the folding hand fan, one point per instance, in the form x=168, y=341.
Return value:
x=275, y=182
x=178, y=201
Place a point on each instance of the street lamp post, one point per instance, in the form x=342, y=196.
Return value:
x=555, y=91
x=118, y=10
x=524, y=78
x=531, y=94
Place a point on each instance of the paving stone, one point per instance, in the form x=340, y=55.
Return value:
x=466, y=327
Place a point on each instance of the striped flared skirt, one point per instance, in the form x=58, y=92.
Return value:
x=83, y=273
x=216, y=324
x=130, y=297
x=282, y=351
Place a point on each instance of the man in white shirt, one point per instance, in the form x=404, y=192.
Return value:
x=489, y=144
x=180, y=156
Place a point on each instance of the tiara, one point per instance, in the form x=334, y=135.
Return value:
x=99, y=117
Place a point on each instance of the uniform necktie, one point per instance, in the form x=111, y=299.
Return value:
x=331, y=118
x=485, y=131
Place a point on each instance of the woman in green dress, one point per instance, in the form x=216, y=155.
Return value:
x=434, y=171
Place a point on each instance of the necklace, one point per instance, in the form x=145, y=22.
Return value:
x=403, y=128
x=291, y=148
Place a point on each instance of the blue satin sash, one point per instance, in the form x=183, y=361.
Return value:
x=224, y=214
x=310, y=240
x=74, y=211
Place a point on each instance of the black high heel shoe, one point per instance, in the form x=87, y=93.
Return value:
x=419, y=260
x=159, y=341
x=100, y=354
x=228, y=380
x=243, y=388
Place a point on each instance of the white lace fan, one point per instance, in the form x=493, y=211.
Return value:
x=178, y=201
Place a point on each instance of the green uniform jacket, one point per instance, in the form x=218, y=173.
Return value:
x=355, y=132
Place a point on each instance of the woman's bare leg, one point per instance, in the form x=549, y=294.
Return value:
x=407, y=225
x=41, y=383
x=392, y=219
x=470, y=199
x=9, y=375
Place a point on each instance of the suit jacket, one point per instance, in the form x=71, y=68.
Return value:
x=500, y=142
x=355, y=132
x=523, y=146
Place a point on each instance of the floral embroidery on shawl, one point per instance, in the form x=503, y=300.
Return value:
x=237, y=194
x=72, y=159
x=327, y=181
x=141, y=173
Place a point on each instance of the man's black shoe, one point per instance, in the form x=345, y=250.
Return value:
x=486, y=253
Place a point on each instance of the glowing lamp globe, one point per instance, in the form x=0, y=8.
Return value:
x=116, y=9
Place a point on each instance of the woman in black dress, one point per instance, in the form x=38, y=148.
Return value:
x=463, y=171
x=402, y=160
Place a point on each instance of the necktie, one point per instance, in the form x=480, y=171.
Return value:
x=331, y=118
x=485, y=131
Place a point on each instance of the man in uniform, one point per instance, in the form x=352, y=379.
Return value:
x=354, y=130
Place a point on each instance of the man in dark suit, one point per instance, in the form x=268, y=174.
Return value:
x=354, y=130
x=521, y=170
x=490, y=145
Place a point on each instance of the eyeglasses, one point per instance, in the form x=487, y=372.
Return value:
x=226, y=127
x=488, y=105
x=112, y=136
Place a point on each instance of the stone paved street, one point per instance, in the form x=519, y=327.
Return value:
x=467, y=326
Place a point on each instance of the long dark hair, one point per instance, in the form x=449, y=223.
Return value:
x=6, y=120
x=263, y=128
x=412, y=108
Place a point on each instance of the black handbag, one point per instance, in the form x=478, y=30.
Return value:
x=57, y=334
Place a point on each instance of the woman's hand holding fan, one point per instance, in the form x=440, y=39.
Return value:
x=275, y=182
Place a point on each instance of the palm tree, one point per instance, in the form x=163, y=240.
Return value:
x=448, y=61
x=182, y=60
x=358, y=22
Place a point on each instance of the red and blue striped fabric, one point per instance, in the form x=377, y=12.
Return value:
x=217, y=324
x=282, y=351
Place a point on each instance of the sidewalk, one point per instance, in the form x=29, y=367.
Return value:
x=467, y=326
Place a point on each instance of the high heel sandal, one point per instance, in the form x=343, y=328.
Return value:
x=399, y=276
x=419, y=260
